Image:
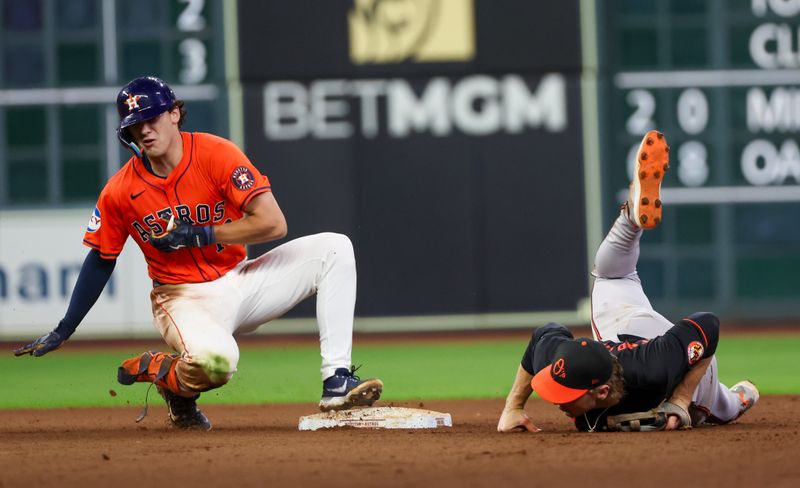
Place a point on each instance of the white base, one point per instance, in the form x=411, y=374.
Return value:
x=377, y=418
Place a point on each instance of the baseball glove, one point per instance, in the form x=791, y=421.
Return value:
x=180, y=234
x=649, y=421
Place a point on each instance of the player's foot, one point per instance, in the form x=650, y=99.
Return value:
x=345, y=390
x=644, y=200
x=183, y=412
x=148, y=367
x=748, y=395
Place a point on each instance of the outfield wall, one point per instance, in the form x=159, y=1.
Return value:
x=41, y=253
x=451, y=152
x=473, y=150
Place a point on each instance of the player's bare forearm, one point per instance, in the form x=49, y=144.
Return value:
x=520, y=391
x=513, y=418
x=263, y=222
x=682, y=395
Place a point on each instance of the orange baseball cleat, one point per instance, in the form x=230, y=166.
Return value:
x=652, y=161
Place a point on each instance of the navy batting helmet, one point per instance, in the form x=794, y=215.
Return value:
x=141, y=99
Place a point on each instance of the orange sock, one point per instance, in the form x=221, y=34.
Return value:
x=151, y=367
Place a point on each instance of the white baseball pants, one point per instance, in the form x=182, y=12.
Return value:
x=199, y=320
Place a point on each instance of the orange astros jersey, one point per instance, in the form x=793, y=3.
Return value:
x=211, y=185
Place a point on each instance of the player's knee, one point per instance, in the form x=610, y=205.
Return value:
x=207, y=370
x=339, y=247
x=709, y=326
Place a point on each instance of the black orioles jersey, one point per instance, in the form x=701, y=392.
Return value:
x=652, y=368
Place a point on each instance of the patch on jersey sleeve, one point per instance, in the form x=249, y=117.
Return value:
x=242, y=178
x=695, y=352
x=94, y=221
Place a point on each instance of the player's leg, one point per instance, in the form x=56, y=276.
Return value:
x=619, y=304
x=277, y=281
x=321, y=264
x=713, y=402
x=196, y=321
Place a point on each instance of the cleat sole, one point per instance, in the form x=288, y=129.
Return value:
x=364, y=395
x=651, y=165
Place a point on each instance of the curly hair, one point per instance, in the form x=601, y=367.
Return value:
x=616, y=382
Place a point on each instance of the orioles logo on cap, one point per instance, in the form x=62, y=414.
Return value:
x=558, y=369
x=132, y=102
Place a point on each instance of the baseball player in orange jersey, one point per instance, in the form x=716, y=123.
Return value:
x=191, y=201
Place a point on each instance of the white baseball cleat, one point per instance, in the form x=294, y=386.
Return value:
x=748, y=395
x=652, y=161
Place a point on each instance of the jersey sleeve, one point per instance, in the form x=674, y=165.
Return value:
x=542, y=347
x=237, y=177
x=699, y=334
x=105, y=232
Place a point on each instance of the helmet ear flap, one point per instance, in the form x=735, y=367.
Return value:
x=127, y=141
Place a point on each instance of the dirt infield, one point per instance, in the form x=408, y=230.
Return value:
x=260, y=446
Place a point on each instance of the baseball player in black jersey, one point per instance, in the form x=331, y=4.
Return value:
x=639, y=360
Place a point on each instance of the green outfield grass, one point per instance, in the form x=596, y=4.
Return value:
x=411, y=371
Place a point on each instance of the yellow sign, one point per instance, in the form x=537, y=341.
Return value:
x=393, y=31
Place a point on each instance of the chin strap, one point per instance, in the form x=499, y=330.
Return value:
x=133, y=147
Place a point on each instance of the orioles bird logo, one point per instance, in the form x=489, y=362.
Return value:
x=132, y=102
x=558, y=368
x=695, y=352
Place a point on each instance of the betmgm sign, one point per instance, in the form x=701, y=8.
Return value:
x=476, y=105
x=412, y=31
x=439, y=135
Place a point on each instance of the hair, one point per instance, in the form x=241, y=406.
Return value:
x=180, y=105
x=616, y=383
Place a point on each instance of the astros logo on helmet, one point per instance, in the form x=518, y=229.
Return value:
x=133, y=102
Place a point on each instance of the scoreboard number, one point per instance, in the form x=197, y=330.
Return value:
x=193, y=52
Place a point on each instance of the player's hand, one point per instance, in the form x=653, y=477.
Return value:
x=515, y=420
x=180, y=234
x=41, y=346
x=674, y=420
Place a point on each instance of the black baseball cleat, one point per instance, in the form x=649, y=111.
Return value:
x=183, y=412
x=345, y=390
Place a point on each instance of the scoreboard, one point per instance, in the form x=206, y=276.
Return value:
x=721, y=79
x=62, y=64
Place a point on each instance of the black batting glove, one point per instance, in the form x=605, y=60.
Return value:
x=180, y=234
x=41, y=346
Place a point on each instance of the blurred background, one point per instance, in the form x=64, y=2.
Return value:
x=475, y=151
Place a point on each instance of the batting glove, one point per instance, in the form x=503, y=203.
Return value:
x=41, y=346
x=180, y=234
